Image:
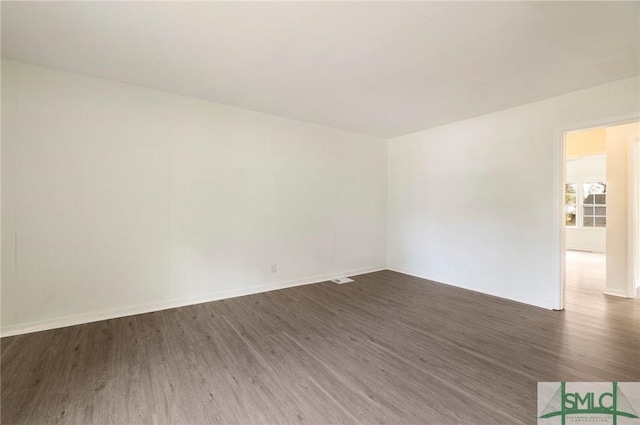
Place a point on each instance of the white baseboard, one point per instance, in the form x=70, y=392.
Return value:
x=615, y=292
x=546, y=305
x=80, y=319
x=585, y=248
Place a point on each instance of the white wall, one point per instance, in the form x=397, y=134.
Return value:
x=593, y=239
x=619, y=139
x=118, y=199
x=634, y=180
x=472, y=203
x=582, y=170
x=590, y=167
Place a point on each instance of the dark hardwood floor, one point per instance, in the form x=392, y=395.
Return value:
x=387, y=348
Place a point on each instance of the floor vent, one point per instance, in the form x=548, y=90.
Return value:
x=342, y=280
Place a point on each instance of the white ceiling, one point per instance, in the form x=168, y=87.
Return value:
x=378, y=68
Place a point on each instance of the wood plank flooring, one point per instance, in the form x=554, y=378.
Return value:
x=586, y=278
x=387, y=348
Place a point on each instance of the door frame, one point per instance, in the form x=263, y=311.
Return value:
x=633, y=261
x=559, y=182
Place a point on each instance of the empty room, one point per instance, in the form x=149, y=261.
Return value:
x=320, y=213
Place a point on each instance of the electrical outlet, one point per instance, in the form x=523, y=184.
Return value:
x=274, y=268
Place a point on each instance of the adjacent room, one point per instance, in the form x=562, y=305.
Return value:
x=318, y=212
x=598, y=216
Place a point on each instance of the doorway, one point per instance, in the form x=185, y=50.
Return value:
x=585, y=215
x=600, y=226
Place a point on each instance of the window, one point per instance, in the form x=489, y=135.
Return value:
x=594, y=204
x=586, y=204
x=570, y=204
